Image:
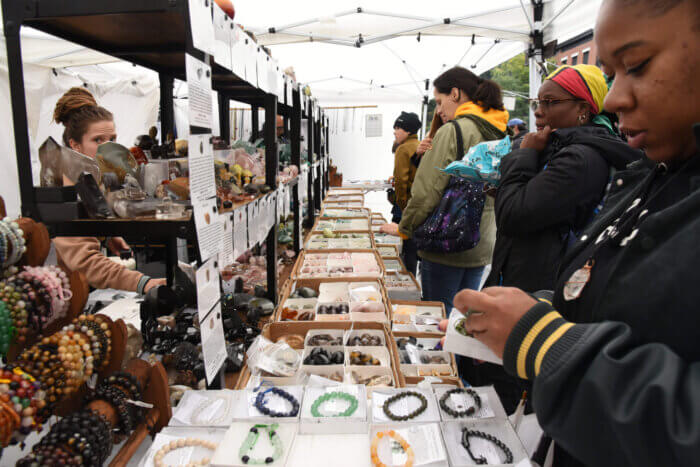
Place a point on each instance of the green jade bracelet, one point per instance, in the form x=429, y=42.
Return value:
x=335, y=395
x=252, y=439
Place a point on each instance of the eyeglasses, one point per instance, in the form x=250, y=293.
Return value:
x=547, y=103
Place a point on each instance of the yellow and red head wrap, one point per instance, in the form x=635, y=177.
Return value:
x=585, y=82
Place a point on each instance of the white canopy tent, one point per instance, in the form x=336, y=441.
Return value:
x=397, y=53
x=388, y=55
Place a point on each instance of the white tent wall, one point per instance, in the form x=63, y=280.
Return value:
x=362, y=157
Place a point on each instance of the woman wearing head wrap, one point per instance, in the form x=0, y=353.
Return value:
x=551, y=188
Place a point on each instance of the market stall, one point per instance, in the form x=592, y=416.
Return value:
x=289, y=332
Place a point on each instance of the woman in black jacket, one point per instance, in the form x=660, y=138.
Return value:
x=616, y=370
x=551, y=188
x=552, y=185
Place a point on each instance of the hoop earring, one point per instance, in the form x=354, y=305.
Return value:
x=582, y=119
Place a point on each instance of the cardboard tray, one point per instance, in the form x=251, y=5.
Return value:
x=274, y=331
x=315, y=283
x=316, y=229
x=426, y=335
x=401, y=294
x=395, y=249
x=303, y=253
x=402, y=269
x=362, y=213
x=315, y=250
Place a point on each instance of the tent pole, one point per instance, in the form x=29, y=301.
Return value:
x=535, y=55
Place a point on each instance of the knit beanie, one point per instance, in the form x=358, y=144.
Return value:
x=409, y=122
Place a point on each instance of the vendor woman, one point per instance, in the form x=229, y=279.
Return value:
x=88, y=125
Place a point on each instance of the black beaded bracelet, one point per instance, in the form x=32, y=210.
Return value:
x=461, y=413
x=481, y=460
x=117, y=399
x=260, y=403
x=126, y=381
x=403, y=418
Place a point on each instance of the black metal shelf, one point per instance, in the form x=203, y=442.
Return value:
x=156, y=35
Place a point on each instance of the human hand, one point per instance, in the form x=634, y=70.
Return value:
x=424, y=145
x=116, y=245
x=537, y=140
x=498, y=311
x=154, y=283
x=390, y=229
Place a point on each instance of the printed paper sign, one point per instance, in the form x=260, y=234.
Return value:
x=238, y=50
x=201, y=25
x=222, y=37
x=226, y=258
x=199, y=92
x=240, y=231
x=201, y=161
x=213, y=342
x=208, y=292
x=209, y=228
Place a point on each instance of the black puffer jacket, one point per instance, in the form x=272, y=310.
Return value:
x=545, y=196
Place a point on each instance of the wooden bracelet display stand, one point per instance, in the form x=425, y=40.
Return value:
x=38, y=245
x=157, y=392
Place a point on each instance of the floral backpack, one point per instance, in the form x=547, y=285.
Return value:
x=454, y=224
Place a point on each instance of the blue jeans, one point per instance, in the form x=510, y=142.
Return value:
x=441, y=282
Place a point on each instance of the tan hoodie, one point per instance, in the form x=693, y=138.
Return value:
x=83, y=254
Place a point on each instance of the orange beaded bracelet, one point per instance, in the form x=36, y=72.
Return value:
x=399, y=439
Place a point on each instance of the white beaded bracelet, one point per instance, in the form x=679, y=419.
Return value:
x=181, y=443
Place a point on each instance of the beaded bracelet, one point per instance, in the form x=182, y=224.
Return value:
x=260, y=403
x=19, y=311
x=401, y=395
x=461, y=413
x=410, y=455
x=7, y=329
x=181, y=443
x=352, y=407
x=480, y=460
x=252, y=439
x=14, y=238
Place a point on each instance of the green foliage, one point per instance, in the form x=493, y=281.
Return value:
x=514, y=76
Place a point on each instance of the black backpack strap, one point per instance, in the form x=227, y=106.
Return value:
x=460, y=141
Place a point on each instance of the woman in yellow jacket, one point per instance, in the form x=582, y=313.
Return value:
x=476, y=104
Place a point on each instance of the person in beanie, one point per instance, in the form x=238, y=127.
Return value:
x=406, y=138
x=519, y=130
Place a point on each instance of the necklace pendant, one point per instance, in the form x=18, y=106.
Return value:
x=573, y=288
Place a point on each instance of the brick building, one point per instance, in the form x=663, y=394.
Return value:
x=577, y=50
